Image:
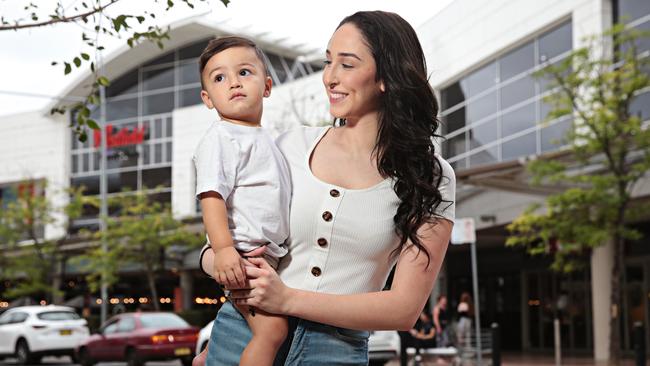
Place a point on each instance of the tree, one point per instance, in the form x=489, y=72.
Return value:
x=142, y=234
x=28, y=257
x=95, y=14
x=609, y=150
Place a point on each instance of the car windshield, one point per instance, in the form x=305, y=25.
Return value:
x=158, y=321
x=58, y=315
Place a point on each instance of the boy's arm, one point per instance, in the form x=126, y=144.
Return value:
x=228, y=264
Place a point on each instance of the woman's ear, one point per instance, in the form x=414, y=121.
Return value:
x=382, y=87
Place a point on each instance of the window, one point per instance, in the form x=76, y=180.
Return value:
x=158, y=103
x=517, y=61
x=481, y=79
x=555, y=42
x=162, y=320
x=630, y=10
x=158, y=78
x=18, y=317
x=189, y=73
x=126, y=324
x=485, y=112
x=110, y=328
x=58, y=315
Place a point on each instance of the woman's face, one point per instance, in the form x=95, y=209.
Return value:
x=349, y=75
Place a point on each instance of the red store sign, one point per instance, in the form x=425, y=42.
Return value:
x=122, y=138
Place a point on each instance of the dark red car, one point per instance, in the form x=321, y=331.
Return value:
x=140, y=337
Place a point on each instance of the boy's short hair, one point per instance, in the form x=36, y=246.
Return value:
x=223, y=43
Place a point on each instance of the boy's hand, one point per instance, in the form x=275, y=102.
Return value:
x=229, y=268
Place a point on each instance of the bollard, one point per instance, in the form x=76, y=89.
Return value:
x=639, y=344
x=558, y=342
x=496, y=345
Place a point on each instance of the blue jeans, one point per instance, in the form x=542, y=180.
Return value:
x=308, y=343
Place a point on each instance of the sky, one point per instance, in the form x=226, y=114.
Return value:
x=26, y=55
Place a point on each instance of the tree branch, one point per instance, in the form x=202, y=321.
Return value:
x=55, y=20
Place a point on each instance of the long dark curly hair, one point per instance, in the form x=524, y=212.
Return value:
x=408, y=121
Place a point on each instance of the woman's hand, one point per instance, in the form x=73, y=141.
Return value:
x=267, y=291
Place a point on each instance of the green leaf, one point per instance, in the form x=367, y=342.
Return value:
x=92, y=66
x=85, y=56
x=225, y=2
x=103, y=81
x=92, y=124
x=68, y=68
x=54, y=63
x=140, y=19
x=77, y=61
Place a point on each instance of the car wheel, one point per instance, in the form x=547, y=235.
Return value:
x=132, y=358
x=84, y=358
x=377, y=363
x=24, y=355
x=187, y=361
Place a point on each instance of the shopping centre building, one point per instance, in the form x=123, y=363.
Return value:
x=481, y=56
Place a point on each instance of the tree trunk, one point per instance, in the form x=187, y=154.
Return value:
x=615, y=320
x=152, y=287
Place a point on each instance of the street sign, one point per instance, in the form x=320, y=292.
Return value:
x=464, y=231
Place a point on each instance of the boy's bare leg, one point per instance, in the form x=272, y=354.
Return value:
x=269, y=331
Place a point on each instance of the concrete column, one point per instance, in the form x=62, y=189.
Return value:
x=187, y=287
x=440, y=287
x=602, y=261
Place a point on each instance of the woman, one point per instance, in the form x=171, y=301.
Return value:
x=367, y=195
x=440, y=321
x=465, y=314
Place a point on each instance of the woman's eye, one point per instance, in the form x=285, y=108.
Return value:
x=346, y=66
x=244, y=72
x=327, y=62
x=218, y=78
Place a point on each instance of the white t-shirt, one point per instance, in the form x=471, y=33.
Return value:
x=341, y=239
x=245, y=167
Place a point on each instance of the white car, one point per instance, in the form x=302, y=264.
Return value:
x=383, y=345
x=31, y=332
x=204, y=337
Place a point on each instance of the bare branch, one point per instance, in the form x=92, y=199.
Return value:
x=57, y=19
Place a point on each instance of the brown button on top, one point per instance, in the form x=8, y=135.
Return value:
x=335, y=193
x=322, y=242
x=327, y=216
x=315, y=271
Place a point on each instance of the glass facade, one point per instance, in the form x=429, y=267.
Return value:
x=492, y=114
x=636, y=14
x=139, y=124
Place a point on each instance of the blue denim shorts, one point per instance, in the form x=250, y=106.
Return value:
x=308, y=343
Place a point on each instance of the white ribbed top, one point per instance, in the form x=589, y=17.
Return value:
x=359, y=237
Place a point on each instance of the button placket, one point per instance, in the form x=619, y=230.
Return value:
x=323, y=234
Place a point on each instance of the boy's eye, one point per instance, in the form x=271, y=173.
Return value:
x=244, y=72
x=218, y=78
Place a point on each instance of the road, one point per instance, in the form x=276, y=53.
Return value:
x=65, y=361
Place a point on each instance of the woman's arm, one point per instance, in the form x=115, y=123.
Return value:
x=397, y=308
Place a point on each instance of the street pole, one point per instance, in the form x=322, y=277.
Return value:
x=477, y=310
x=103, y=188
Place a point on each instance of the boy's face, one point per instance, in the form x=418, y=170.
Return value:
x=234, y=83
